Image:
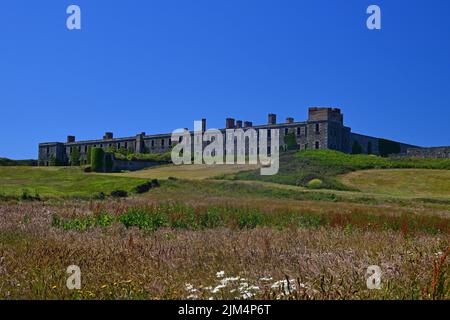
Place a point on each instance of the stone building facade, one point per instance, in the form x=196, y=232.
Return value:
x=432, y=152
x=324, y=129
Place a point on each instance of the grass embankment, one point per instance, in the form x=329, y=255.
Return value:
x=51, y=182
x=194, y=172
x=404, y=182
x=300, y=168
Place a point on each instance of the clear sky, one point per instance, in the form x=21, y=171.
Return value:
x=154, y=66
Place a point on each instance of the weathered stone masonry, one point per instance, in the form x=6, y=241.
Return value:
x=324, y=129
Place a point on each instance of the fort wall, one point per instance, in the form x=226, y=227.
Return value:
x=323, y=129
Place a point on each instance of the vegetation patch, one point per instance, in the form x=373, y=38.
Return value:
x=60, y=182
x=12, y=163
x=299, y=168
x=183, y=216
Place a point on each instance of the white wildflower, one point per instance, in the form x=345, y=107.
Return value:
x=220, y=274
x=266, y=279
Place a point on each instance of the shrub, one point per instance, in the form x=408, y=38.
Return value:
x=119, y=194
x=155, y=183
x=142, y=188
x=75, y=157
x=26, y=196
x=145, y=187
x=143, y=219
x=290, y=141
x=97, y=160
x=99, y=196
x=315, y=184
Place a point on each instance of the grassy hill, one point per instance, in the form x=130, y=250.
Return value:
x=194, y=172
x=10, y=162
x=60, y=182
x=325, y=167
x=404, y=182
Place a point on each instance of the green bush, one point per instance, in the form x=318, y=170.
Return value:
x=119, y=194
x=314, y=184
x=98, y=160
x=26, y=196
x=75, y=157
x=291, y=141
x=155, y=157
x=145, y=187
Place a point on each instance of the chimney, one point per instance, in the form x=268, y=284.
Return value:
x=289, y=120
x=272, y=118
x=239, y=124
x=248, y=124
x=70, y=139
x=229, y=123
x=108, y=136
x=203, y=125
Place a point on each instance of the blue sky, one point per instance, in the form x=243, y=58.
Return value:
x=155, y=66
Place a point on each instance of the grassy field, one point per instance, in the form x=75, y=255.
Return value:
x=404, y=182
x=237, y=237
x=300, y=168
x=59, y=182
x=186, y=171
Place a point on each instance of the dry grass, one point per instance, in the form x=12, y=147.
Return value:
x=121, y=263
x=187, y=171
x=401, y=182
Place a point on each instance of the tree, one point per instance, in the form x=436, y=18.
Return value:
x=369, y=148
x=290, y=141
x=75, y=157
x=98, y=160
x=53, y=161
x=123, y=151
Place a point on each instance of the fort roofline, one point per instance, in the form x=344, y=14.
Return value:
x=323, y=129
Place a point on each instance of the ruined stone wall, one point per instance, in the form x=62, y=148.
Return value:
x=364, y=142
x=433, y=152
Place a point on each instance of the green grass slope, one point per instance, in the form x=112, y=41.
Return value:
x=404, y=182
x=60, y=182
x=300, y=168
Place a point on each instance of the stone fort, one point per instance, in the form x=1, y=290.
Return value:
x=324, y=129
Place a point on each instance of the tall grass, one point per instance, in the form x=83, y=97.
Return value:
x=181, y=216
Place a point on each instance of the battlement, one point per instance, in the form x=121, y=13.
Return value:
x=325, y=114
